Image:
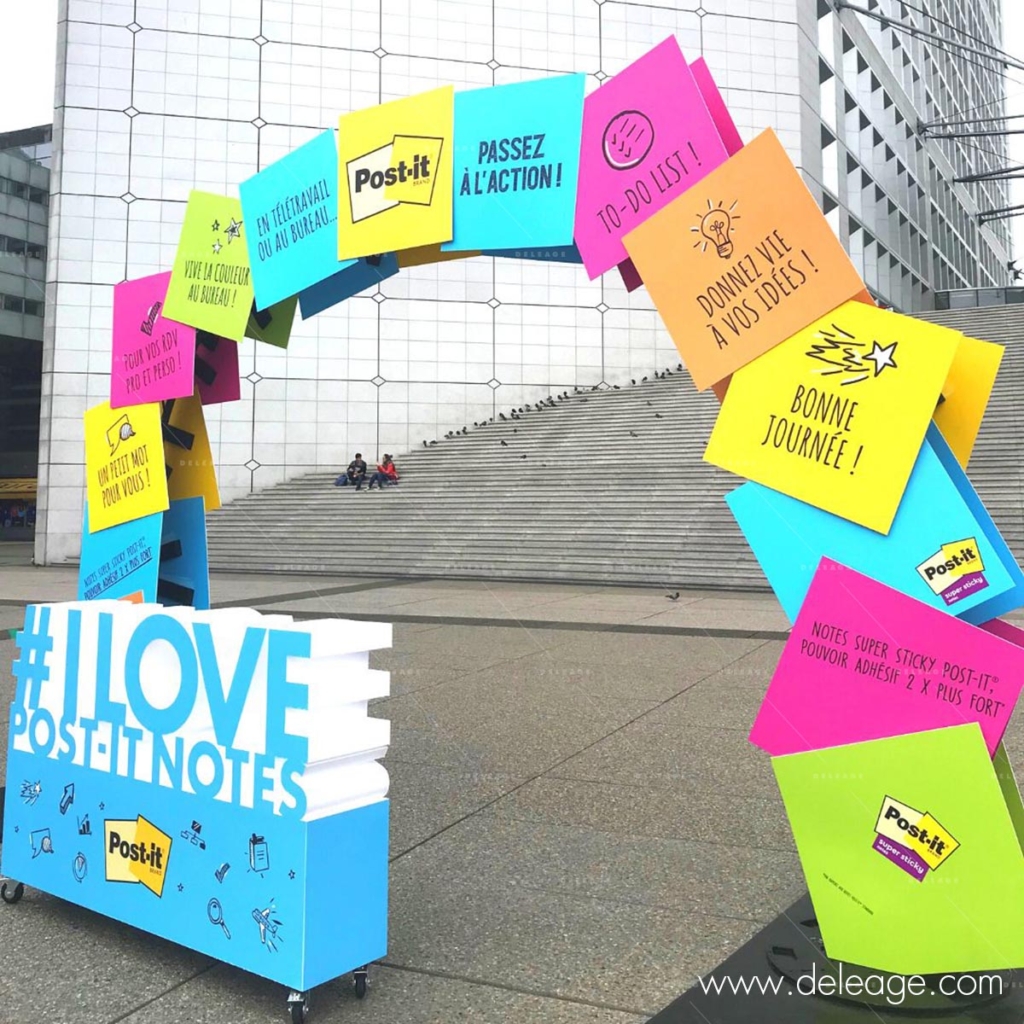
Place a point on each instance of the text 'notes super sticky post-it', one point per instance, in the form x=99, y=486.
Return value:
x=836, y=415
x=864, y=661
x=647, y=137
x=395, y=183
x=742, y=261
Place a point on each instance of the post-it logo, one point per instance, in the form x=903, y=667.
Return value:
x=403, y=171
x=136, y=851
x=912, y=840
x=955, y=571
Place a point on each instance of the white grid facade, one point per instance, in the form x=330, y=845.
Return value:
x=157, y=97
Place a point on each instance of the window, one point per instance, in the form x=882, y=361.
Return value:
x=13, y=304
x=19, y=247
x=38, y=195
x=14, y=188
x=33, y=307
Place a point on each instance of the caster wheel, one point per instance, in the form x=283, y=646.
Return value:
x=19, y=891
x=298, y=1008
x=361, y=983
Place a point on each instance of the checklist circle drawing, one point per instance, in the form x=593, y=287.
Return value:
x=627, y=139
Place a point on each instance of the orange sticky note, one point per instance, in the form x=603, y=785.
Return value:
x=741, y=261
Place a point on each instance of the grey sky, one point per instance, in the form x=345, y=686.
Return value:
x=27, y=48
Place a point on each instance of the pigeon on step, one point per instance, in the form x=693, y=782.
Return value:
x=657, y=416
x=673, y=597
x=633, y=433
x=504, y=444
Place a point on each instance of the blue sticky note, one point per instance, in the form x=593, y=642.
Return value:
x=516, y=160
x=121, y=560
x=365, y=272
x=939, y=508
x=184, y=562
x=555, y=254
x=290, y=211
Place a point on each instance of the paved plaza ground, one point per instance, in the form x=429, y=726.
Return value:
x=579, y=825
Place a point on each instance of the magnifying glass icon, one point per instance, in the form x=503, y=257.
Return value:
x=215, y=912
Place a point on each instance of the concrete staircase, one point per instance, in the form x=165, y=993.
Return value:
x=571, y=495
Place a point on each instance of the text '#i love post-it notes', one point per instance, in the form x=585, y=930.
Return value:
x=836, y=414
x=966, y=393
x=395, y=187
x=291, y=210
x=211, y=283
x=940, y=520
x=868, y=820
x=124, y=470
x=864, y=661
x=151, y=357
x=647, y=137
x=742, y=261
x=517, y=154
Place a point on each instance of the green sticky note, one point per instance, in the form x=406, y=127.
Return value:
x=273, y=324
x=211, y=285
x=911, y=850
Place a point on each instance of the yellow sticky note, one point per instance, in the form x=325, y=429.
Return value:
x=395, y=169
x=190, y=469
x=211, y=285
x=153, y=851
x=123, y=466
x=118, y=836
x=424, y=254
x=836, y=414
x=966, y=393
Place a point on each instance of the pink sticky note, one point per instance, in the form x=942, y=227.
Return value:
x=716, y=106
x=217, y=376
x=151, y=358
x=630, y=275
x=647, y=137
x=865, y=662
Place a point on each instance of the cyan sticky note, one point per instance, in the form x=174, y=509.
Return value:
x=552, y=254
x=517, y=155
x=943, y=548
x=290, y=210
x=120, y=561
x=365, y=272
x=184, y=561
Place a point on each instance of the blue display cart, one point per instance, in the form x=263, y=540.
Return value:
x=296, y=898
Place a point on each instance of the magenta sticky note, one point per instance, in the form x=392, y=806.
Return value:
x=647, y=137
x=865, y=662
x=217, y=376
x=630, y=275
x=716, y=106
x=151, y=357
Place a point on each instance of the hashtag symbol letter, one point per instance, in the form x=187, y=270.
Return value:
x=34, y=644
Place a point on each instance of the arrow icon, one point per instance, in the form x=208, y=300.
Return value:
x=68, y=798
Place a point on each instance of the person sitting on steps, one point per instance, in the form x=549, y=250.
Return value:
x=355, y=474
x=387, y=473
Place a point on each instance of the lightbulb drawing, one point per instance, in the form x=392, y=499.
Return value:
x=715, y=229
